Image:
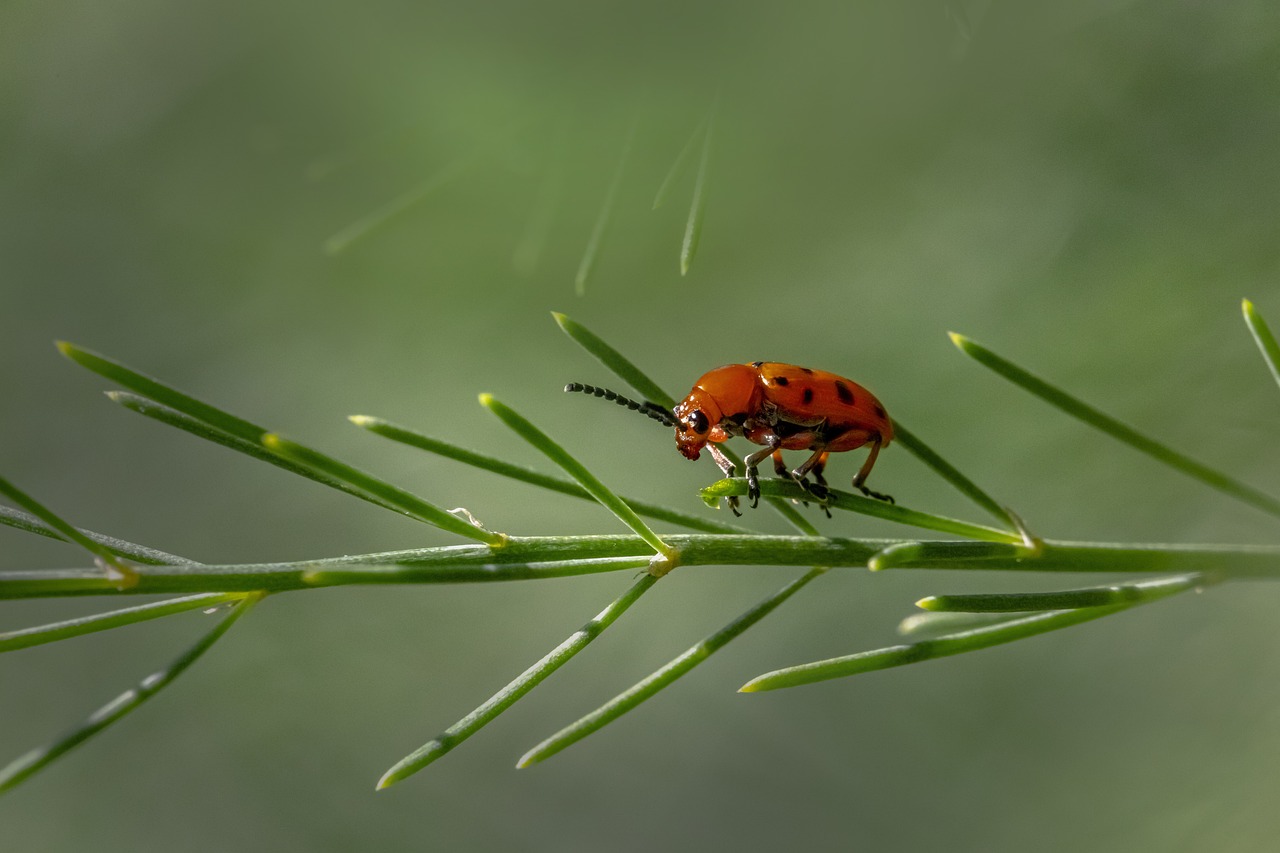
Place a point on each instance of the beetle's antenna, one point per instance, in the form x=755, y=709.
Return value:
x=653, y=410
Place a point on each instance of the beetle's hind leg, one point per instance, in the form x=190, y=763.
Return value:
x=861, y=476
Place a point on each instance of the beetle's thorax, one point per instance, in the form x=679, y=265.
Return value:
x=727, y=392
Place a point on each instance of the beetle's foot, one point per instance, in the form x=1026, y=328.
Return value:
x=753, y=489
x=886, y=498
x=732, y=500
x=820, y=493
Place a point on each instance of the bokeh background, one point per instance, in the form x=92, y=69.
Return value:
x=1089, y=188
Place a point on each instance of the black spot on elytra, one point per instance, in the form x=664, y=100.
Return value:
x=781, y=380
x=880, y=412
x=808, y=396
x=843, y=392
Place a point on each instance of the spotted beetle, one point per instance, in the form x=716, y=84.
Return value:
x=779, y=406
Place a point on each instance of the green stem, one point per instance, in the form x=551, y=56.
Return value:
x=528, y=558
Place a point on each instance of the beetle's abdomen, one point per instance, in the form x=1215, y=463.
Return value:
x=832, y=405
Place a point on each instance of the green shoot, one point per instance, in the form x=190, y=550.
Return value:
x=606, y=214
x=970, y=640
x=522, y=684
x=26, y=766
x=397, y=207
x=664, y=676
x=1262, y=336
x=528, y=475
x=27, y=637
x=835, y=499
x=1114, y=428
x=585, y=478
x=698, y=207
x=116, y=571
x=408, y=503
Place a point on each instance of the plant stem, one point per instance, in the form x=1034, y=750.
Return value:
x=535, y=557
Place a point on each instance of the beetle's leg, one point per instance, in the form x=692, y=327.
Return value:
x=729, y=469
x=814, y=465
x=753, y=472
x=780, y=467
x=861, y=476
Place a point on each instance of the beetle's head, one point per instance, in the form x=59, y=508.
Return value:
x=696, y=416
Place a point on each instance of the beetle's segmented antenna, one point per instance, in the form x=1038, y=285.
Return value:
x=653, y=410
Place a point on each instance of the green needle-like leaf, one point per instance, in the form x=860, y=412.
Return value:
x=253, y=449
x=161, y=393
x=791, y=490
x=934, y=624
x=1097, y=419
x=522, y=684
x=185, y=412
x=116, y=570
x=606, y=214
x=28, y=765
x=698, y=208
x=406, y=502
x=26, y=637
x=662, y=677
x=1066, y=599
x=970, y=640
x=621, y=366
x=1265, y=340
x=139, y=553
x=949, y=644
x=401, y=204
x=577, y=471
x=524, y=259
x=528, y=475
x=950, y=473
x=667, y=182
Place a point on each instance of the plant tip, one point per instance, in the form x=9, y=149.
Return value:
x=929, y=602
x=362, y=420
x=486, y=399
x=958, y=339
x=1247, y=307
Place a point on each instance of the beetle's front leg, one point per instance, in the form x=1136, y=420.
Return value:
x=729, y=469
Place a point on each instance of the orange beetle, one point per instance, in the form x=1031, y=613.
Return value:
x=779, y=406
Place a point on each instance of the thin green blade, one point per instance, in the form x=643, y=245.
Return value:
x=575, y=469
x=1114, y=428
x=26, y=766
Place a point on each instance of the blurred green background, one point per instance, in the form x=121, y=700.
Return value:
x=1088, y=188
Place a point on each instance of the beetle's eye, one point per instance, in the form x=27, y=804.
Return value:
x=698, y=422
